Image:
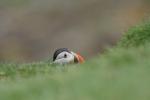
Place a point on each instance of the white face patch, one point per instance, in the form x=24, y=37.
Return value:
x=64, y=58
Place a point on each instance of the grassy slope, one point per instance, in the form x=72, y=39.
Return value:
x=122, y=73
x=139, y=35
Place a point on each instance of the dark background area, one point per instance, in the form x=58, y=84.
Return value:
x=31, y=30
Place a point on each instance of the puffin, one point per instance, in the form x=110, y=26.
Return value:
x=64, y=56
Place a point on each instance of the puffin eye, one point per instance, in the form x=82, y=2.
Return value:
x=65, y=55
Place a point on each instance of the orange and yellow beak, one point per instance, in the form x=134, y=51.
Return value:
x=79, y=58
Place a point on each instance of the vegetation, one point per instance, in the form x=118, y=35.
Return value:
x=137, y=36
x=121, y=73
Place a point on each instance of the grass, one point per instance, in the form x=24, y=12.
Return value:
x=139, y=35
x=121, y=73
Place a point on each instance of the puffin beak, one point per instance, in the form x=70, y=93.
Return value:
x=79, y=58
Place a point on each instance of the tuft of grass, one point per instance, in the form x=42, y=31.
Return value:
x=136, y=36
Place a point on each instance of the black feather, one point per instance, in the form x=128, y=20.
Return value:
x=58, y=51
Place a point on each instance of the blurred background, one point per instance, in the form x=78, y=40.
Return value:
x=31, y=30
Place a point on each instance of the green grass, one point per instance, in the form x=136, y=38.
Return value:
x=121, y=73
x=136, y=36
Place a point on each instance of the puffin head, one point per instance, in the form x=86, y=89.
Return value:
x=64, y=56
